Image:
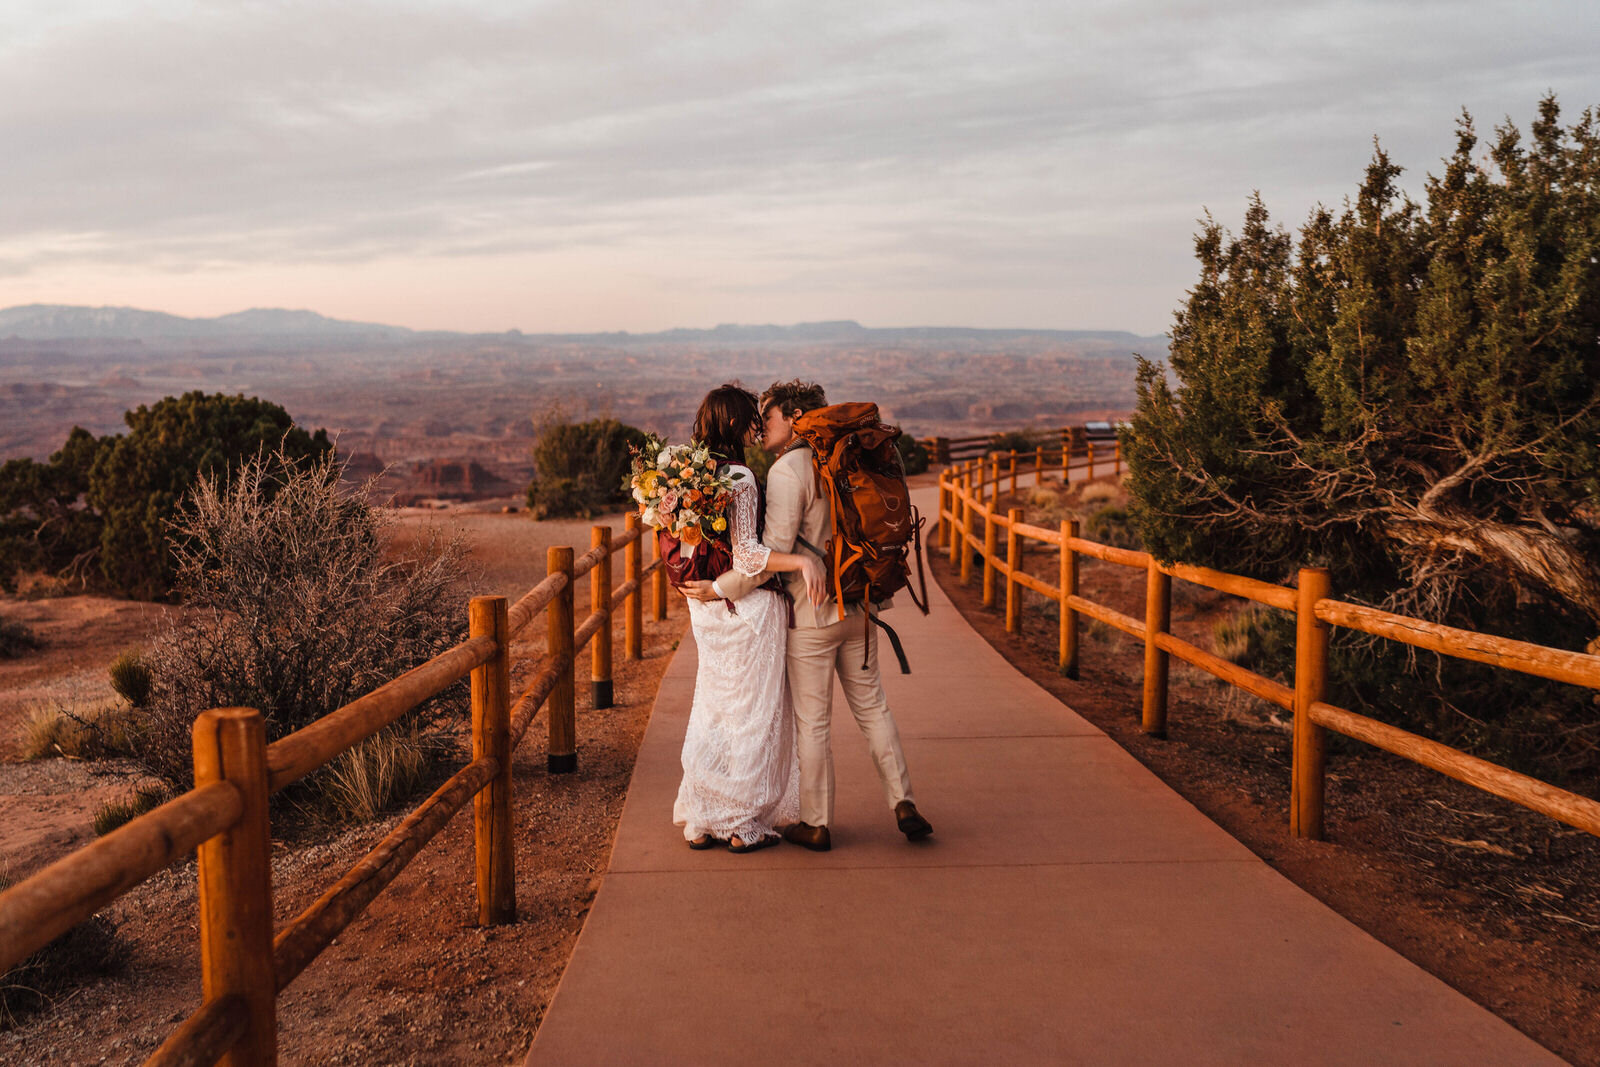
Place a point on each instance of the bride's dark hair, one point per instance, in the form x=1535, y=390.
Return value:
x=725, y=416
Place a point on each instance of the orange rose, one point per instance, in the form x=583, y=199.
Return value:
x=695, y=496
x=690, y=535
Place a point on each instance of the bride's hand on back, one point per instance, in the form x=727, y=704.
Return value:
x=816, y=576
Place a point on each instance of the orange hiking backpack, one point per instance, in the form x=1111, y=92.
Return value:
x=875, y=528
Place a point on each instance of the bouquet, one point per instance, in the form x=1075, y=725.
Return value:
x=683, y=492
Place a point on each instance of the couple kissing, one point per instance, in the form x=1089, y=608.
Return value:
x=757, y=764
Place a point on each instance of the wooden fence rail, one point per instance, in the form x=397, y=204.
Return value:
x=968, y=497
x=1066, y=441
x=244, y=965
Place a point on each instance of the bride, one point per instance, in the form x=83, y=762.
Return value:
x=740, y=771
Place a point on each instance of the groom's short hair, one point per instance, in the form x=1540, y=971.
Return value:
x=793, y=395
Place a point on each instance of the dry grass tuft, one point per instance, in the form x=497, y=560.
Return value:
x=375, y=775
x=130, y=677
x=1099, y=493
x=115, y=813
x=93, y=729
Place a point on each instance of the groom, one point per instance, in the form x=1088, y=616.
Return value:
x=798, y=518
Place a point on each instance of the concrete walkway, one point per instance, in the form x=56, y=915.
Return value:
x=1069, y=908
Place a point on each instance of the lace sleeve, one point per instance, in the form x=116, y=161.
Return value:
x=749, y=554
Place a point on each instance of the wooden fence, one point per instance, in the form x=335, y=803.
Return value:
x=1068, y=440
x=244, y=964
x=969, y=520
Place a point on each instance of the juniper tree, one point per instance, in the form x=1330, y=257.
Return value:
x=1410, y=393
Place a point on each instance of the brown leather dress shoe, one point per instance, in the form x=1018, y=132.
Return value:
x=807, y=836
x=913, y=825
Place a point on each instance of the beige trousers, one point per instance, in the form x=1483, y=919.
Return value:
x=814, y=656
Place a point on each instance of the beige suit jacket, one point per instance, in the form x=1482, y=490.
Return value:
x=796, y=508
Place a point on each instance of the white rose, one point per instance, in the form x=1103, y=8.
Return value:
x=664, y=458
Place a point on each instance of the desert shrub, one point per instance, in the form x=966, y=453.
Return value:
x=45, y=531
x=96, y=729
x=100, y=507
x=1111, y=526
x=139, y=479
x=1098, y=493
x=84, y=953
x=130, y=677
x=913, y=453
x=582, y=468
x=16, y=638
x=115, y=813
x=297, y=607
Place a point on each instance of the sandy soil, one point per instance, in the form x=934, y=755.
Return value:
x=413, y=980
x=1499, y=902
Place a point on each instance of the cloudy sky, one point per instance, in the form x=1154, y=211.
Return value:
x=642, y=164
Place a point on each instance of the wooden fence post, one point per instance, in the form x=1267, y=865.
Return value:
x=1310, y=686
x=1038, y=465
x=943, y=513
x=1013, y=564
x=1013, y=472
x=1068, y=664
x=1066, y=461
x=632, y=568
x=1088, y=448
x=658, y=578
x=562, y=757
x=994, y=481
x=491, y=737
x=991, y=530
x=948, y=523
x=941, y=449
x=964, y=540
x=1157, y=619
x=1116, y=457
x=235, y=882
x=600, y=600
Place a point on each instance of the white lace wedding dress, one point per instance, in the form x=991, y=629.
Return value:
x=741, y=775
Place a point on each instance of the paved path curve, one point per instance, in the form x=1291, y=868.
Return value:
x=1070, y=908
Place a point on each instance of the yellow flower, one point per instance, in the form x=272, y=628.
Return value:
x=719, y=524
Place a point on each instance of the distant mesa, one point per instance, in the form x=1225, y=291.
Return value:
x=456, y=476
x=57, y=322
x=118, y=381
x=359, y=466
